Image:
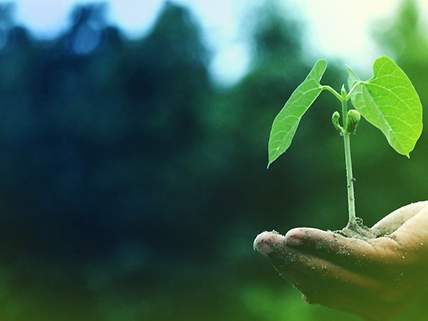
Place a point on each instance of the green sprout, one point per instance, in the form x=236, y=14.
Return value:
x=388, y=101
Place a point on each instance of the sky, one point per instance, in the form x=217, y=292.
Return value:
x=334, y=28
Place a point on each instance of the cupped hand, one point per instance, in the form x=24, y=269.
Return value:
x=377, y=278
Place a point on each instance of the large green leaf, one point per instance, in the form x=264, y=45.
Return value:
x=390, y=102
x=286, y=122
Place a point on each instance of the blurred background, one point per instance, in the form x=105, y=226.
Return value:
x=134, y=145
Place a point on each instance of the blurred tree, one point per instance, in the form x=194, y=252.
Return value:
x=84, y=35
x=134, y=184
x=100, y=134
x=405, y=38
x=242, y=117
x=244, y=196
x=100, y=127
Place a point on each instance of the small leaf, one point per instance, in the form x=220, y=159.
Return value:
x=390, y=102
x=286, y=122
x=335, y=120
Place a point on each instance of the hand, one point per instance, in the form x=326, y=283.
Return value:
x=376, y=278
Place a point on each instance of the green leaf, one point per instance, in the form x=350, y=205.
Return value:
x=352, y=78
x=286, y=122
x=390, y=102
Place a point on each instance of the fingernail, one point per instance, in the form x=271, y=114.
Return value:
x=294, y=238
x=266, y=242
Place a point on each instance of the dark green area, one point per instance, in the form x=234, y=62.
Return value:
x=132, y=186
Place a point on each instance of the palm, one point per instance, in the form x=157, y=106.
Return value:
x=374, y=278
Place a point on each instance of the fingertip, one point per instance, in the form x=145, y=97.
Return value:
x=295, y=237
x=268, y=242
x=306, y=236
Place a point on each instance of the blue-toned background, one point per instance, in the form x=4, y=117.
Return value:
x=133, y=165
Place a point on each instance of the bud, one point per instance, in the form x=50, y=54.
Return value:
x=343, y=92
x=354, y=118
x=335, y=120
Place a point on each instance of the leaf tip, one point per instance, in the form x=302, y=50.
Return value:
x=322, y=62
x=270, y=161
x=384, y=57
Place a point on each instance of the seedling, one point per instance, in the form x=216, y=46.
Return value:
x=388, y=101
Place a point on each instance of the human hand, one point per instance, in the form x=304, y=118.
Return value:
x=376, y=278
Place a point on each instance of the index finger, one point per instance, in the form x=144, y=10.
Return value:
x=370, y=255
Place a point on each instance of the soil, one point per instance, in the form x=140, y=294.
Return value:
x=358, y=230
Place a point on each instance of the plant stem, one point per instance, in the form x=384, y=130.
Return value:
x=332, y=91
x=352, y=222
x=353, y=88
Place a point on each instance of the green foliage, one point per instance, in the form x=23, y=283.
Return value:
x=84, y=139
x=286, y=122
x=390, y=102
x=265, y=304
